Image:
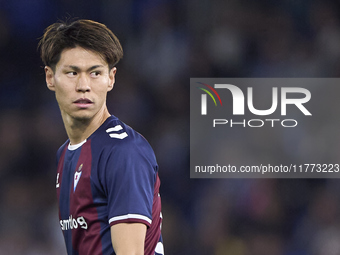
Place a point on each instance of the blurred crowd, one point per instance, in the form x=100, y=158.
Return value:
x=165, y=43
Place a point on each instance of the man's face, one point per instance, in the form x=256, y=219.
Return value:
x=81, y=81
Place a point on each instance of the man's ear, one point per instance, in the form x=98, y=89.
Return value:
x=49, y=78
x=112, y=75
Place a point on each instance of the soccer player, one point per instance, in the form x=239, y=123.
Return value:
x=107, y=175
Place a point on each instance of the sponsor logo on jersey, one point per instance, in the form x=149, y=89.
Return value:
x=77, y=175
x=73, y=223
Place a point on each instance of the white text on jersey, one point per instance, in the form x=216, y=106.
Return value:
x=71, y=223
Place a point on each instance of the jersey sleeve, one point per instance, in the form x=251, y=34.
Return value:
x=129, y=182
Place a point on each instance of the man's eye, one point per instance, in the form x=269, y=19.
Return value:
x=71, y=73
x=95, y=73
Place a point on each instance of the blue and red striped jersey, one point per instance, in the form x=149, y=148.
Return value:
x=110, y=178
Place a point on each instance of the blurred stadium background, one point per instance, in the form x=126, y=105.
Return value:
x=166, y=42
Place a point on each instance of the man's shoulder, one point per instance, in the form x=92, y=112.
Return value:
x=115, y=132
x=62, y=149
x=118, y=142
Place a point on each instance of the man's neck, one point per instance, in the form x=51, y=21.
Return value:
x=80, y=129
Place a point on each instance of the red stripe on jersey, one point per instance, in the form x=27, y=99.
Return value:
x=130, y=220
x=153, y=233
x=88, y=235
x=60, y=173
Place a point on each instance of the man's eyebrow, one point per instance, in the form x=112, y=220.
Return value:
x=78, y=69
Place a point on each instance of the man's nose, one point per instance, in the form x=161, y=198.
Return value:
x=83, y=84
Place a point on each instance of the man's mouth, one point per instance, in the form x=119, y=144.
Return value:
x=83, y=102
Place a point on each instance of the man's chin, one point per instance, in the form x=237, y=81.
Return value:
x=83, y=117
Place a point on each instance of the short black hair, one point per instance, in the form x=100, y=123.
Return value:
x=88, y=34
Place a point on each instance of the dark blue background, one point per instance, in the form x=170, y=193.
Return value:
x=166, y=43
